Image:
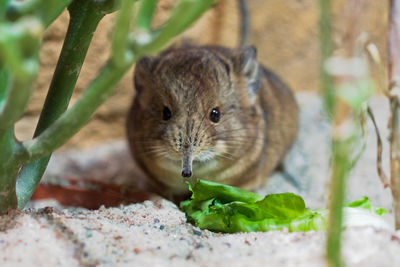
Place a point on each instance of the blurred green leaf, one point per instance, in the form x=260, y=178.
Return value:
x=4, y=78
x=356, y=92
x=365, y=203
x=46, y=10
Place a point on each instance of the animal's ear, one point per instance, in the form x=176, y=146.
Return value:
x=247, y=61
x=248, y=67
x=143, y=72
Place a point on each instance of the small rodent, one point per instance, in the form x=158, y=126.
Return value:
x=211, y=112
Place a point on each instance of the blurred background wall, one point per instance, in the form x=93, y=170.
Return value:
x=285, y=33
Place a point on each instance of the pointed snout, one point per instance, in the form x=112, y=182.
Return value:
x=187, y=161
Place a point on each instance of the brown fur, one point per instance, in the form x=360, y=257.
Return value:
x=259, y=117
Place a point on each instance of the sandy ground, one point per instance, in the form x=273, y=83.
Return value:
x=154, y=233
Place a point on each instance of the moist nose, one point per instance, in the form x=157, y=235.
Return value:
x=186, y=173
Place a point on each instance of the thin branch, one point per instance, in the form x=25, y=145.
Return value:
x=22, y=62
x=4, y=84
x=394, y=81
x=340, y=170
x=338, y=175
x=358, y=155
x=345, y=110
x=121, y=31
x=374, y=54
x=381, y=173
x=145, y=15
x=15, y=103
x=17, y=45
x=182, y=17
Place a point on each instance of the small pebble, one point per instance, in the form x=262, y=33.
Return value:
x=89, y=233
x=156, y=220
x=198, y=245
x=196, y=232
x=162, y=227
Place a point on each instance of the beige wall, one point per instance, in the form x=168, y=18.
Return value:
x=284, y=31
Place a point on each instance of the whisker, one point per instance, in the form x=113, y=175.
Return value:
x=148, y=153
x=237, y=142
x=223, y=155
x=241, y=129
x=237, y=138
x=153, y=150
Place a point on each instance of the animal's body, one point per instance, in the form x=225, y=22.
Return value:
x=212, y=112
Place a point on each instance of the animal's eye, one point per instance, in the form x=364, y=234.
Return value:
x=215, y=115
x=166, y=114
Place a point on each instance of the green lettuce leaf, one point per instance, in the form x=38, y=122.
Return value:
x=222, y=208
x=365, y=203
x=204, y=190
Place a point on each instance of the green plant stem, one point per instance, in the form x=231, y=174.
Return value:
x=341, y=162
x=83, y=23
x=14, y=94
x=8, y=170
x=4, y=81
x=183, y=16
x=325, y=36
x=9, y=52
x=339, y=147
x=21, y=61
x=15, y=102
x=145, y=15
x=18, y=46
x=121, y=31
